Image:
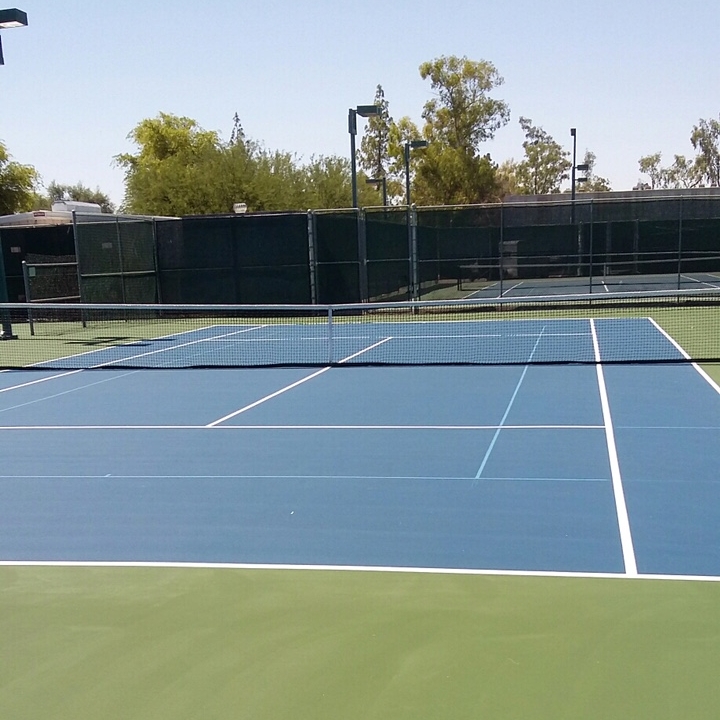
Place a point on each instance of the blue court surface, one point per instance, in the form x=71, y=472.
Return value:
x=607, y=469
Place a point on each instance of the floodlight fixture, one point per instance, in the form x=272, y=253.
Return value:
x=368, y=110
x=13, y=18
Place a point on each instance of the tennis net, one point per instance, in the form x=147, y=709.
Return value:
x=651, y=327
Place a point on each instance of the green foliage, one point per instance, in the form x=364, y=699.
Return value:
x=683, y=173
x=448, y=176
x=18, y=184
x=78, y=192
x=181, y=169
x=593, y=182
x=460, y=117
x=546, y=164
x=705, y=138
x=374, y=145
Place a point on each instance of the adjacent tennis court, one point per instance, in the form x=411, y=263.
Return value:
x=527, y=529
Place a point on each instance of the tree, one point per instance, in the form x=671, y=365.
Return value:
x=181, y=169
x=593, y=182
x=683, y=173
x=463, y=115
x=376, y=138
x=458, y=120
x=546, y=163
x=705, y=138
x=506, y=177
x=79, y=193
x=18, y=184
x=650, y=166
x=168, y=175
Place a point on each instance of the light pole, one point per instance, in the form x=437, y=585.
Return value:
x=382, y=181
x=362, y=111
x=410, y=145
x=8, y=19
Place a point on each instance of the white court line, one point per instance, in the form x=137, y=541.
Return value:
x=507, y=411
x=681, y=350
x=175, y=347
x=68, y=392
x=351, y=568
x=275, y=476
x=35, y=382
x=475, y=292
x=295, y=384
x=715, y=286
x=626, y=540
x=512, y=288
x=432, y=336
x=299, y=427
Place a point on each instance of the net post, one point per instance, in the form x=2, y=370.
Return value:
x=5, y=320
x=28, y=299
x=330, y=335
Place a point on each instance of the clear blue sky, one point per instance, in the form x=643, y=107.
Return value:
x=633, y=76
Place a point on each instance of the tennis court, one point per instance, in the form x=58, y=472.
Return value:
x=535, y=485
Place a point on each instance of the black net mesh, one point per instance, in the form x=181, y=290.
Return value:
x=667, y=327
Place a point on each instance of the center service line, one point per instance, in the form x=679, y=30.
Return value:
x=293, y=385
x=509, y=407
x=626, y=540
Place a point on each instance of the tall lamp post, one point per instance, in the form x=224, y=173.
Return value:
x=362, y=111
x=382, y=182
x=412, y=243
x=8, y=19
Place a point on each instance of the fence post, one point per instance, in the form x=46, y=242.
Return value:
x=502, y=246
x=120, y=258
x=312, y=256
x=28, y=299
x=75, y=226
x=362, y=256
x=680, y=234
x=413, y=252
x=590, y=248
x=156, y=261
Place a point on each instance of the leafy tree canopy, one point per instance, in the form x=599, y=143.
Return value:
x=18, y=184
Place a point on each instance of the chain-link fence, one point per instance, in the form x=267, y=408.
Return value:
x=345, y=256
